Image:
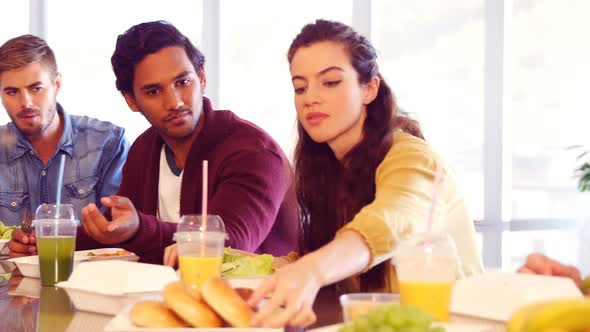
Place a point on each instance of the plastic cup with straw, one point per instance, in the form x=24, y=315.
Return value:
x=426, y=265
x=200, y=239
x=55, y=228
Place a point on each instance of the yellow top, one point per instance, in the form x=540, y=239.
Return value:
x=404, y=186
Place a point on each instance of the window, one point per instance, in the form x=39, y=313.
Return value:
x=84, y=44
x=15, y=22
x=549, y=107
x=254, y=73
x=431, y=54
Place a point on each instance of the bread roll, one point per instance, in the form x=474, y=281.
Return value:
x=193, y=292
x=194, y=311
x=155, y=314
x=226, y=302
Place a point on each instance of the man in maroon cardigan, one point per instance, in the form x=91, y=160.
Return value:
x=160, y=73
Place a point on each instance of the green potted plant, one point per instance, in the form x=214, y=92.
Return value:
x=583, y=171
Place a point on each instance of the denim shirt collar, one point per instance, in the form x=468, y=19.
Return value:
x=65, y=143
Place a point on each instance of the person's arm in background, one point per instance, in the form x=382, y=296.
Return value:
x=537, y=263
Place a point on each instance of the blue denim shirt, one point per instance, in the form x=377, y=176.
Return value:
x=95, y=153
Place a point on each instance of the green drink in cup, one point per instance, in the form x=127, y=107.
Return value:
x=55, y=228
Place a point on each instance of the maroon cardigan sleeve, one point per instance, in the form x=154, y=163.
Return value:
x=248, y=193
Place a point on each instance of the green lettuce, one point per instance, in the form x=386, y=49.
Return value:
x=6, y=231
x=246, y=266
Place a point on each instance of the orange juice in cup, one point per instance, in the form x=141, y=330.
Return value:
x=432, y=297
x=200, y=248
x=194, y=270
x=426, y=272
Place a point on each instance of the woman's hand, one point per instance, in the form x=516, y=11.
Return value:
x=296, y=285
x=293, y=287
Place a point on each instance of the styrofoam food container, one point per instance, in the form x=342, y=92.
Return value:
x=29, y=265
x=107, y=286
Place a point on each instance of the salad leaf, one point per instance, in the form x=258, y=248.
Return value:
x=6, y=231
x=229, y=256
x=7, y=234
x=235, y=265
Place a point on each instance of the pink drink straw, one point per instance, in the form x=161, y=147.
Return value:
x=435, y=190
x=204, y=195
x=204, y=207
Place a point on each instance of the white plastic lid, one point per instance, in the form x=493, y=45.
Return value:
x=48, y=214
x=416, y=245
x=50, y=222
x=191, y=225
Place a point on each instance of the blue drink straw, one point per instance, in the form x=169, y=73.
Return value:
x=60, y=180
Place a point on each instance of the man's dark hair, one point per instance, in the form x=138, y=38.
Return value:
x=144, y=39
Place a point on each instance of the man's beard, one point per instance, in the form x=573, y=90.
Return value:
x=33, y=130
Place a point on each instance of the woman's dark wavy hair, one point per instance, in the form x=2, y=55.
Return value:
x=331, y=192
x=144, y=39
